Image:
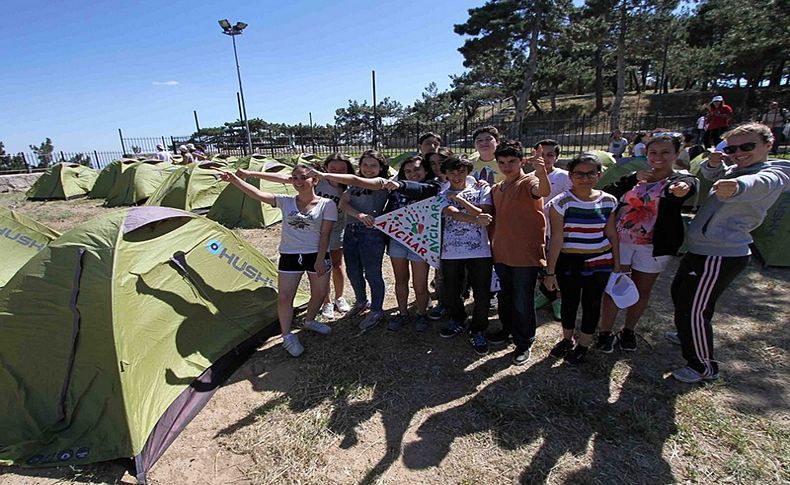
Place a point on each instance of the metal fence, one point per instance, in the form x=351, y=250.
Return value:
x=28, y=162
x=574, y=134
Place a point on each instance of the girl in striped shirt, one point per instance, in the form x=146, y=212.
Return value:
x=580, y=262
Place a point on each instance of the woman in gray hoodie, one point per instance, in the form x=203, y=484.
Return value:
x=719, y=237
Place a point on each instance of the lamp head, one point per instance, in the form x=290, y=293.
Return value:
x=240, y=26
x=224, y=24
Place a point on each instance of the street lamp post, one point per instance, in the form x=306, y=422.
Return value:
x=233, y=31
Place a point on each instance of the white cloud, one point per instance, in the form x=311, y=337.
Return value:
x=165, y=83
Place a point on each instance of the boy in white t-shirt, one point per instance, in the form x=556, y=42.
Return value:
x=560, y=182
x=466, y=250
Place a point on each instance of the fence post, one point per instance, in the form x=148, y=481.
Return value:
x=27, y=165
x=120, y=135
x=62, y=157
x=96, y=158
x=581, y=138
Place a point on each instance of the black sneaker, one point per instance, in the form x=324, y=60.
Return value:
x=498, y=338
x=627, y=339
x=479, y=343
x=606, y=342
x=451, y=330
x=521, y=356
x=576, y=355
x=561, y=348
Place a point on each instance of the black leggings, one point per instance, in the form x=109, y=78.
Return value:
x=588, y=290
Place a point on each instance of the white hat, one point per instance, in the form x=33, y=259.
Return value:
x=622, y=290
x=716, y=98
x=160, y=147
x=191, y=146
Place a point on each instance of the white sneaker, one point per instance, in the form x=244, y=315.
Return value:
x=328, y=311
x=371, y=320
x=317, y=327
x=292, y=345
x=342, y=305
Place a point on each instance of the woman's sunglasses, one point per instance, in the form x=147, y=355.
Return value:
x=744, y=147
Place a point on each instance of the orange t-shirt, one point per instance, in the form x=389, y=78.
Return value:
x=519, y=234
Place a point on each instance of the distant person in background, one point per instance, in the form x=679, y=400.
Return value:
x=700, y=129
x=617, y=144
x=199, y=153
x=162, y=154
x=486, y=141
x=717, y=119
x=638, y=149
x=688, y=152
x=775, y=119
x=186, y=156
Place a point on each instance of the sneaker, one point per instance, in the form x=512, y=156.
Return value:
x=479, y=343
x=672, y=337
x=561, y=348
x=541, y=301
x=690, y=376
x=421, y=323
x=292, y=345
x=627, y=339
x=556, y=309
x=437, y=312
x=521, y=356
x=398, y=322
x=371, y=320
x=576, y=355
x=328, y=311
x=357, y=308
x=606, y=342
x=451, y=330
x=317, y=327
x=498, y=338
x=342, y=305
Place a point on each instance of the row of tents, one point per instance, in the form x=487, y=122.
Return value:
x=117, y=332
x=195, y=187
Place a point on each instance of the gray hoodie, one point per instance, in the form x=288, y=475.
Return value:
x=722, y=226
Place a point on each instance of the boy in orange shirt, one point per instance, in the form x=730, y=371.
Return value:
x=518, y=243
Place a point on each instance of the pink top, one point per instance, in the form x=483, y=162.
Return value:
x=639, y=211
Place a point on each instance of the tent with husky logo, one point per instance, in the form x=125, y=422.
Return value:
x=63, y=181
x=20, y=239
x=118, y=332
x=108, y=176
x=235, y=209
x=137, y=181
x=192, y=187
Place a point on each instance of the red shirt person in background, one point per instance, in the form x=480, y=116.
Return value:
x=717, y=120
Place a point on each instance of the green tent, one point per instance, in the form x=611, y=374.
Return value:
x=192, y=187
x=63, y=181
x=22, y=238
x=770, y=238
x=108, y=176
x=118, y=332
x=615, y=172
x=606, y=158
x=235, y=209
x=138, y=180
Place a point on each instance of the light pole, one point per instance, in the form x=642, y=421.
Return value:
x=233, y=31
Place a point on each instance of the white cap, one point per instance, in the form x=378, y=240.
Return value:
x=716, y=98
x=191, y=146
x=160, y=147
x=622, y=290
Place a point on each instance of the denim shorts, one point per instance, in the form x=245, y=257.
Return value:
x=398, y=250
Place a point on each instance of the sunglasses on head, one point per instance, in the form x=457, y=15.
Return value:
x=744, y=147
x=665, y=134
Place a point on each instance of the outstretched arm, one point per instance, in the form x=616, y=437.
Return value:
x=271, y=177
x=248, y=189
x=375, y=183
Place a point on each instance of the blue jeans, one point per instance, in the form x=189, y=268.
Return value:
x=517, y=302
x=363, y=250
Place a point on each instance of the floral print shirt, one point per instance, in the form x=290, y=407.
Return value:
x=638, y=212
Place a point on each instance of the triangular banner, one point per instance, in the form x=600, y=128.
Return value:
x=418, y=227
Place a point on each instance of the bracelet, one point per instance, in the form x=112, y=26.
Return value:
x=550, y=274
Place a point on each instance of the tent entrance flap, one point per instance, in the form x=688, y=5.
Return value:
x=75, y=333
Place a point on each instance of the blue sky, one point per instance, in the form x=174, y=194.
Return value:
x=77, y=71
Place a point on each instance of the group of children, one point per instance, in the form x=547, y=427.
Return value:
x=505, y=221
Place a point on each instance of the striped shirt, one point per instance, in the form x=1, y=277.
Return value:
x=583, y=230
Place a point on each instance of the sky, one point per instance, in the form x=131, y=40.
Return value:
x=77, y=71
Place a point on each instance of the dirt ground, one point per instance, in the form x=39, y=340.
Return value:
x=404, y=407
